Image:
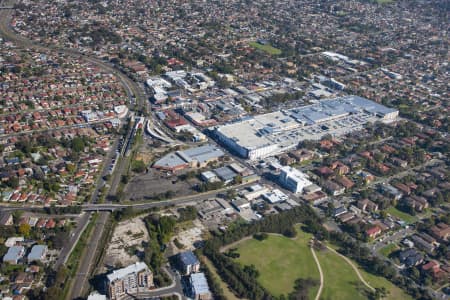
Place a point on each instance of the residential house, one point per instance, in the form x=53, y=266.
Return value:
x=373, y=232
x=339, y=211
x=403, y=188
x=410, y=257
x=391, y=192
x=433, y=268
x=441, y=231
x=14, y=254
x=417, y=203
x=422, y=244
x=367, y=205
x=340, y=168
x=6, y=219
x=345, y=182
x=333, y=188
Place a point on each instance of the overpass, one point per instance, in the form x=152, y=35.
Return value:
x=99, y=207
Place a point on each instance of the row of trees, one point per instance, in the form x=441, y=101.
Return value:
x=160, y=229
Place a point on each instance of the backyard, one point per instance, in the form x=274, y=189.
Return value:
x=401, y=215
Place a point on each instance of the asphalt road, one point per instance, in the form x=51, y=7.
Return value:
x=80, y=282
x=176, y=288
x=74, y=237
x=163, y=203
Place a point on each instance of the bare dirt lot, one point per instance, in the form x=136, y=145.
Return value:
x=148, y=186
x=126, y=243
x=189, y=235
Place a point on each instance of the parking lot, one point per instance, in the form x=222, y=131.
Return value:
x=148, y=186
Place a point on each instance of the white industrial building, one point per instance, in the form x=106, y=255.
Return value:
x=273, y=133
x=293, y=179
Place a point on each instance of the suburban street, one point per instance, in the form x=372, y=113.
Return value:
x=383, y=241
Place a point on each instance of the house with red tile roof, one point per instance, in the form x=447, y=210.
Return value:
x=373, y=231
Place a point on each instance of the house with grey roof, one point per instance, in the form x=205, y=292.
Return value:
x=38, y=253
x=14, y=254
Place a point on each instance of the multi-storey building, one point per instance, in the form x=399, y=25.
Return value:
x=130, y=280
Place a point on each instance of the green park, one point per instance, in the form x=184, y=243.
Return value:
x=266, y=48
x=280, y=261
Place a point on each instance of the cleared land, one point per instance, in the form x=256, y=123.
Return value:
x=126, y=242
x=280, y=261
x=154, y=183
x=402, y=215
x=266, y=48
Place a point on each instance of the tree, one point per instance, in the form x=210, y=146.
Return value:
x=251, y=271
x=138, y=166
x=231, y=194
x=260, y=236
x=237, y=179
x=330, y=209
x=24, y=229
x=125, y=179
x=380, y=293
x=78, y=144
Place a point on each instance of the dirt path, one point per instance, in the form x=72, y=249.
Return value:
x=229, y=246
x=319, y=292
x=355, y=268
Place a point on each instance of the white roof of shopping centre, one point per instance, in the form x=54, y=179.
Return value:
x=336, y=116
